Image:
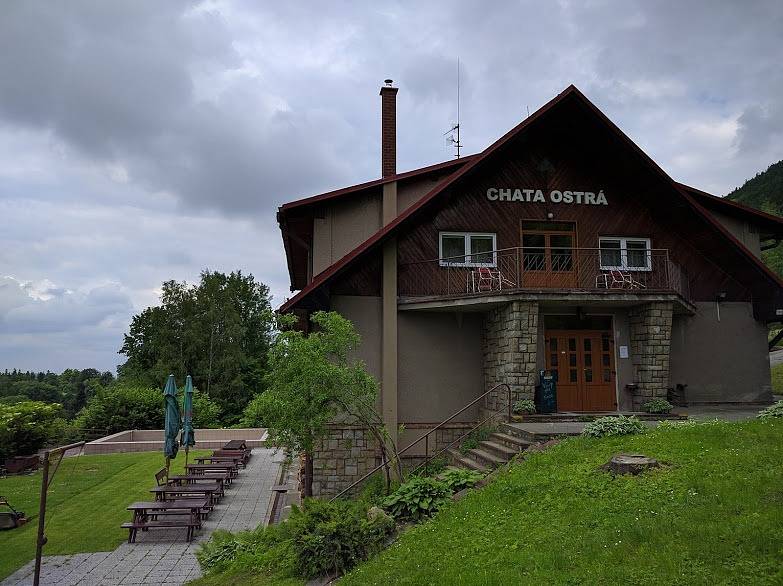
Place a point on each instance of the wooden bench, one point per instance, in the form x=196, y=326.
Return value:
x=223, y=477
x=134, y=526
x=212, y=492
x=145, y=516
x=231, y=469
x=244, y=454
x=237, y=460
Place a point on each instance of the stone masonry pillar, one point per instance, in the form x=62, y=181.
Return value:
x=510, y=349
x=651, y=336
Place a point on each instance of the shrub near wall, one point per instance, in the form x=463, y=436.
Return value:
x=136, y=407
x=25, y=427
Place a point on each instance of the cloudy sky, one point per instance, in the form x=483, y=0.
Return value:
x=143, y=140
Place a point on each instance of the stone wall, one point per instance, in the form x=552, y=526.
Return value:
x=346, y=454
x=510, y=349
x=651, y=336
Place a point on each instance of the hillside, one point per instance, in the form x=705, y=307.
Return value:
x=765, y=192
x=711, y=515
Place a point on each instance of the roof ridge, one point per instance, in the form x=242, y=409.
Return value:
x=378, y=236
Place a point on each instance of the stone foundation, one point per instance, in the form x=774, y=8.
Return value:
x=651, y=335
x=510, y=349
x=345, y=455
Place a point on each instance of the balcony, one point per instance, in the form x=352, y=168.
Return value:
x=610, y=273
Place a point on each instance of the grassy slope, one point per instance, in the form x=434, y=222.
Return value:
x=777, y=379
x=85, y=506
x=715, y=515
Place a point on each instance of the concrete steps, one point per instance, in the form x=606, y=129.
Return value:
x=498, y=449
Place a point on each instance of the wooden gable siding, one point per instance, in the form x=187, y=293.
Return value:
x=569, y=157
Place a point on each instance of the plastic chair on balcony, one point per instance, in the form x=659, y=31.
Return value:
x=487, y=279
x=616, y=279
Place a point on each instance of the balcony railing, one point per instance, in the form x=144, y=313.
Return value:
x=579, y=270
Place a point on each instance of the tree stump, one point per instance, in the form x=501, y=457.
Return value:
x=630, y=464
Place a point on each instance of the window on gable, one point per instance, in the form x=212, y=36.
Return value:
x=467, y=249
x=627, y=254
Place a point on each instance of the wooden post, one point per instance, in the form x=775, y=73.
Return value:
x=41, y=539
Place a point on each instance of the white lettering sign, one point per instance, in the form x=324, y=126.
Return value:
x=554, y=196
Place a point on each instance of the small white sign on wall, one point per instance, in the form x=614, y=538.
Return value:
x=623, y=351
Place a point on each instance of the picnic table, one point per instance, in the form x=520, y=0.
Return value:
x=223, y=478
x=145, y=516
x=236, y=459
x=212, y=492
x=244, y=454
x=225, y=467
x=237, y=444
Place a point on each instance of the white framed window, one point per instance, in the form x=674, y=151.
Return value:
x=468, y=249
x=625, y=254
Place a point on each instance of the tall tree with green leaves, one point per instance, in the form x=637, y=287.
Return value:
x=313, y=381
x=218, y=331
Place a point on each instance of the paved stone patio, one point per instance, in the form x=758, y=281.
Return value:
x=163, y=556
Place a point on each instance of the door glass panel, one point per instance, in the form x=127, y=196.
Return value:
x=572, y=344
x=553, y=344
x=572, y=359
x=588, y=359
x=607, y=375
x=588, y=375
x=481, y=250
x=610, y=253
x=553, y=360
x=588, y=344
x=453, y=248
x=561, y=252
x=605, y=359
x=605, y=343
x=572, y=375
x=533, y=252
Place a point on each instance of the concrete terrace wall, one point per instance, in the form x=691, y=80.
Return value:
x=150, y=440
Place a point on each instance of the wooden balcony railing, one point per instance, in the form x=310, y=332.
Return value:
x=575, y=270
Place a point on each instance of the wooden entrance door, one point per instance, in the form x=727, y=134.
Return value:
x=584, y=362
x=548, y=259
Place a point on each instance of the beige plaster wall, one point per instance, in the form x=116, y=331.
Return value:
x=721, y=361
x=410, y=192
x=345, y=225
x=741, y=230
x=439, y=366
x=365, y=314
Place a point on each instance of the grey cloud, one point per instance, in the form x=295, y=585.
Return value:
x=142, y=141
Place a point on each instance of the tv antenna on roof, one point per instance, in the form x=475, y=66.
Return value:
x=453, y=132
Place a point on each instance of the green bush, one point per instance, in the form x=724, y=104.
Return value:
x=320, y=538
x=619, y=425
x=417, y=498
x=772, y=411
x=459, y=478
x=525, y=406
x=122, y=407
x=658, y=406
x=252, y=416
x=26, y=426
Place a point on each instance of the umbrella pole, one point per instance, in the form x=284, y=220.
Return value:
x=186, y=456
x=168, y=463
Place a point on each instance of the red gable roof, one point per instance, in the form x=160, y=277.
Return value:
x=381, y=235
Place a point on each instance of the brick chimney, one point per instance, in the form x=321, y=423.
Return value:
x=388, y=129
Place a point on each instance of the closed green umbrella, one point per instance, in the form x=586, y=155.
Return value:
x=171, y=427
x=188, y=437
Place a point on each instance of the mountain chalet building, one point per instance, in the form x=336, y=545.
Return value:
x=562, y=246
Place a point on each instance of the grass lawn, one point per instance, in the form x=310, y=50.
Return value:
x=713, y=515
x=777, y=379
x=85, y=506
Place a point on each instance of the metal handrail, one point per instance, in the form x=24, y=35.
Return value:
x=426, y=436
